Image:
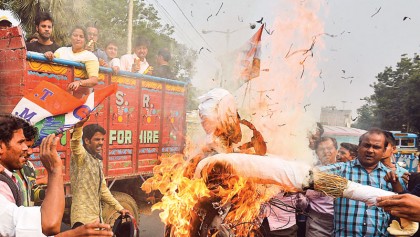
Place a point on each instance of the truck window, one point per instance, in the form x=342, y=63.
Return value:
x=407, y=142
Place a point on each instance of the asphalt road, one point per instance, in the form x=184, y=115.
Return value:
x=150, y=225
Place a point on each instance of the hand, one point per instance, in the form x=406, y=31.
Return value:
x=116, y=69
x=404, y=206
x=102, y=63
x=406, y=177
x=82, y=122
x=91, y=229
x=74, y=86
x=48, y=154
x=49, y=55
x=90, y=46
x=124, y=212
x=391, y=177
x=135, y=67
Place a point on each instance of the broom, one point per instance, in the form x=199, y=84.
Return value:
x=337, y=186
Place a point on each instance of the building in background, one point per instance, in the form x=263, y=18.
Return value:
x=332, y=116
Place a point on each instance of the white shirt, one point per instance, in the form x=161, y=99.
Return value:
x=19, y=221
x=128, y=60
x=67, y=53
x=115, y=62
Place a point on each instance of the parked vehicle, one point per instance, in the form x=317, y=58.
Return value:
x=407, y=150
x=145, y=119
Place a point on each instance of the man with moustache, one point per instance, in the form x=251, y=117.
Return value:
x=92, y=43
x=28, y=221
x=17, y=220
x=26, y=177
x=44, y=27
x=355, y=218
x=88, y=184
x=13, y=151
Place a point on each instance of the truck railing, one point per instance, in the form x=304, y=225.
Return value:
x=40, y=57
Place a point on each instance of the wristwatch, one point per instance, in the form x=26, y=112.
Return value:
x=80, y=83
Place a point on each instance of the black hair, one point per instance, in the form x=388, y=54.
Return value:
x=33, y=36
x=78, y=27
x=43, y=16
x=142, y=41
x=352, y=148
x=320, y=128
x=92, y=24
x=30, y=132
x=324, y=139
x=166, y=55
x=373, y=131
x=111, y=42
x=390, y=138
x=10, y=124
x=90, y=130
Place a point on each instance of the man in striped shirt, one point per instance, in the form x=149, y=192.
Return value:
x=355, y=218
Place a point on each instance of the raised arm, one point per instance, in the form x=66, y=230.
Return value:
x=52, y=208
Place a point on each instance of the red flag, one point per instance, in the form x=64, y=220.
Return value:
x=250, y=57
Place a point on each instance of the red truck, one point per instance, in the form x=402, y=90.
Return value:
x=145, y=119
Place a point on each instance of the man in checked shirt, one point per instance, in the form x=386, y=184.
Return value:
x=355, y=218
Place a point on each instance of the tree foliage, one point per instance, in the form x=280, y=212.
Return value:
x=395, y=102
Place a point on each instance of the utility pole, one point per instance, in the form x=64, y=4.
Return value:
x=130, y=25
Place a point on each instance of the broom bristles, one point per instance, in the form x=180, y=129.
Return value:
x=330, y=184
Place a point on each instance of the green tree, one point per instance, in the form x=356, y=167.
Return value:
x=64, y=12
x=394, y=104
x=366, y=117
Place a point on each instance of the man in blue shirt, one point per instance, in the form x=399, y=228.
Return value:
x=355, y=218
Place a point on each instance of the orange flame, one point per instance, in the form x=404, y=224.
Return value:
x=220, y=187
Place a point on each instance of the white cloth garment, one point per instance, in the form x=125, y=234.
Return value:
x=19, y=221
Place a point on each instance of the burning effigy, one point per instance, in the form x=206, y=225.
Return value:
x=219, y=192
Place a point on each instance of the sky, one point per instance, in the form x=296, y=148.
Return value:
x=353, y=41
x=369, y=36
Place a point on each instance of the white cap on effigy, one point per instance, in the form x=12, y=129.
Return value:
x=217, y=108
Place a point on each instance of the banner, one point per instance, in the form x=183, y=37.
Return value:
x=54, y=110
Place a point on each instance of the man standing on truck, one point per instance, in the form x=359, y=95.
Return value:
x=92, y=43
x=44, y=27
x=137, y=62
x=87, y=179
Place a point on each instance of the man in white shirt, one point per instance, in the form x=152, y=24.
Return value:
x=44, y=220
x=36, y=221
x=137, y=62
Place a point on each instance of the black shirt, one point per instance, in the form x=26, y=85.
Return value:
x=40, y=48
x=163, y=71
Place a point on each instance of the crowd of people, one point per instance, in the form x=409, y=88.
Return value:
x=85, y=48
x=19, y=215
x=372, y=163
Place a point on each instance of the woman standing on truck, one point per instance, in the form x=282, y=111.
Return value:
x=78, y=53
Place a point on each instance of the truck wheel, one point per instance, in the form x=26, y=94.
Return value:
x=110, y=215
